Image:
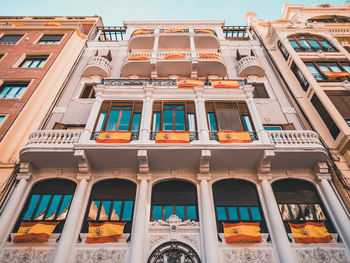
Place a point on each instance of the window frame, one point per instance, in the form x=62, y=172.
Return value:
x=300, y=77
x=283, y=50
x=321, y=75
x=33, y=58
x=8, y=43
x=56, y=43
x=307, y=38
x=9, y=82
x=92, y=93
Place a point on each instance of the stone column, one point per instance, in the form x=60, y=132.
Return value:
x=140, y=218
x=90, y=124
x=281, y=245
x=9, y=215
x=203, y=131
x=207, y=221
x=69, y=234
x=334, y=208
x=145, y=126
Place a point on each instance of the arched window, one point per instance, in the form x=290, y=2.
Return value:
x=310, y=43
x=237, y=201
x=49, y=201
x=299, y=202
x=174, y=198
x=111, y=201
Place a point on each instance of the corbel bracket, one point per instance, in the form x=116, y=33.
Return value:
x=264, y=166
x=83, y=162
x=143, y=161
x=204, y=167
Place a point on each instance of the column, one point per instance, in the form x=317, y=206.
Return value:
x=145, y=126
x=69, y=234
x=334, y=208
x=9, y=214
x=140, y=218
x=281, y=245
x=207, y=221
x=85, y=136
x=203, y=131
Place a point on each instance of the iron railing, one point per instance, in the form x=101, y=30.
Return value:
x=334, y=19
x=215, y=137
x=237, y=32
x=111, y=33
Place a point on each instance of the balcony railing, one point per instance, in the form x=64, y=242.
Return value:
x=134, y=136
x=111, y=33
x=215, y=137
x=334, y=19
x=236, y=32
x=56, y=137
x=294, y=138
x=250, y=65
x=193, y=136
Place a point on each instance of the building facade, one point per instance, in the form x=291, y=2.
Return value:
x=36, y=56
x=174, y=128
x=310, y=46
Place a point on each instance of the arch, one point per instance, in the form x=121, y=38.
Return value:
x=235, y=201
x=308, y=42
x=177, y=197
x=49, y=200
x=111, y=200
x=299, y=202
x=174, y=252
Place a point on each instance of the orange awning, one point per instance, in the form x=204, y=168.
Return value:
x=243, y=232
x=334, y=75
x=141, y=32
x=174, y=30
x=189, y=83
x=209, y=56
x=234, y=137
x=225, y=84
x=173, y=137
x=114, y=137
x=175, y=56
x=205, y=31
x=139, y=57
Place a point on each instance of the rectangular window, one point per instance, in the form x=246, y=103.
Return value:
x=1, y=56
x=174, y=116
x=341, y=100
x=273, y=128
x=301, y=212
x=2, y=118
x=329, y=71
x=34, y=61
x=10, y=39
x=238, y=213
x=327, y=119
x=50, y=39
x=12, y=90
x=88, y=92
x=163, y=212
x=119, y=116
x=301, y=78
x=260, y=91
x=283, y=50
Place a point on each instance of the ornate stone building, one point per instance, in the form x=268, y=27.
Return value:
x=174, y=127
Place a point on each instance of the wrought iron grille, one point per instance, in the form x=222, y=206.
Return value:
x=174, y=252
x=112, y=33
x=238, y=32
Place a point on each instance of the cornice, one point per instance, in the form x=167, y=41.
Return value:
x=175, y=23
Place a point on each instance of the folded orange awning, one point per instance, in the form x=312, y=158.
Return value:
x=310, y=232
x=334, y=75
x=243, y=232
x=139, y=57
x=174, y=30
x=205, y=31
x=34, y=232
x=104, y=232
x=173, y=137
x=209, y=56
x=225, y=84
x=175, y=56
x=189, y=83
x=114, y=137
x=234, y=137
x=141, y=32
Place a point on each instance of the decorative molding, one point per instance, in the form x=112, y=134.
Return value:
x=191, y=239
x=187, y=23
x=321, y=171
x=201, y=177
x=346, y=84
x=143, y=161
x=93, y=255
x=315, y=255
x=264, y=166
x=174, y=220
x=244, y=255
x=204, y=167
x=141, y=177
x=24, y=171
x=288, y=110
x=26, y=255
x=59, y=110
x=156, y=239
x=83, y=163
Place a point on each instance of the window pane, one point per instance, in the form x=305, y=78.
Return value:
x=10, y=39
x=128, y=205
x=229, y=120
x=272, y=128
x=191, y=122
x=157, y=212
x=53, y=207
x=312, y=69
x=284, y=211
x=101, y=121
x=335, y=68
x=212, y=123
x=156, y=121
x=304, y=44
x=255, y=213
x=168, y=120
x=244, y=213
x=232, y=213
x=246, y=123
x=113, y=120
x=124, y=120
x=42, y=207
x=20, y=92
x=179, y=120
x=136, y=122
x=324, y=68
x=325, y=44
x=93, y=210
x=306, y=212
x=13, y=93
x=314, y=44
x=221, y=213
x=180, y=212
x=117, y=208
x=64, y=207
x=347, y=68
x=294, y=44
x=33, y=202
x=106, y=205
x=319, y=213
x=191, y=212
x=26, y=63
x=296, y=215
x=4, y=92
x=168, y=211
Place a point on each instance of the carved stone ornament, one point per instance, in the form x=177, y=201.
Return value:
x=316, y=255
x=100, y=255
x=246, y=255
x=26, y=255
x=174, y=220
x=346, y=84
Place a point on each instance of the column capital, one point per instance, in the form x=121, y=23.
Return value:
x=81, y=177
x=262, y=177
x=24, y=171
x=321, y=171
x=146, y=177
x=206, y=177
x=83, y=163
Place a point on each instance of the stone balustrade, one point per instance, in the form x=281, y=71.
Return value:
x=250, y=65
x=99, y=66
x=61, y=137
x=162, y=55
x=294, y=138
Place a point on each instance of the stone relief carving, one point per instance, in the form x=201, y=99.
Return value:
x=100, y=255
x=246, y=255
x=173, y=219
x=317, y=255
x=191, y=239
x=26, y=255
x=156, y=239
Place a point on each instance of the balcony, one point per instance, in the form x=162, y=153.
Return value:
x=211, y=63
x=174, y=39
x=137, y=64
x=250, y=65
x=206, y=39
x=174, y=63
x=98, y=66
x=142, y=39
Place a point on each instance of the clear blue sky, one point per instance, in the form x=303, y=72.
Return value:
x=113, y=12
